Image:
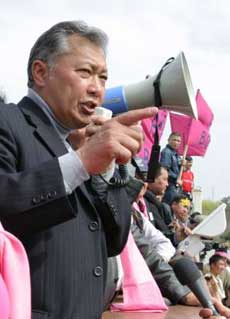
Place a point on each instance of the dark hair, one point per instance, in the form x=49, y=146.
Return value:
x=54, y=42
x=177, y=134
x=215, y=258
x=178, y=198
x=159, y=171
x=189, y=158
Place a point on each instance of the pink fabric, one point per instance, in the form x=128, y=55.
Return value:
x=222, y=254
x=141, y=207
x=195, y=133
x=149, y=127
x=4, y=300
x=14, y=268
x=140, y=291
x=205, y=115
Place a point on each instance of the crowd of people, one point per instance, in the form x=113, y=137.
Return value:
x=61, y=197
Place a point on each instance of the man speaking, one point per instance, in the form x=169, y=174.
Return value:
x=67, y=227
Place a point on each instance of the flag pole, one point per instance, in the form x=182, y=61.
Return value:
x=183, y=158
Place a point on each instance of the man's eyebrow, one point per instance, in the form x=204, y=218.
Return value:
x=95, y=67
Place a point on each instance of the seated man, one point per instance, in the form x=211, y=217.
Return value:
x=180, y=207
x=141, y=227
x=157, y=250
x=171, y=220
x=217, y=265
x=162, y=272
x=159, y=213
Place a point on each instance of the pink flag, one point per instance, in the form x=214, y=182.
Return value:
x=140, y=291
x=205, y=115
x=15, y=272
x=149, y=127
x=193, y=133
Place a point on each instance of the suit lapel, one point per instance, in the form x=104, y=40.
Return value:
x=44, y=131
x=43, y=128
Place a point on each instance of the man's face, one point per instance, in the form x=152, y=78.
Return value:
x=218, y=267
x=174, y=142
x=188, y=164
x=160, y=184
x=75, y=84
x=180, y=211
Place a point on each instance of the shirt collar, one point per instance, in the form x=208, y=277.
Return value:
x=58, y=126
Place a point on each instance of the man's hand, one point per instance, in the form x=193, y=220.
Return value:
x=179, y=182
x=117, y=139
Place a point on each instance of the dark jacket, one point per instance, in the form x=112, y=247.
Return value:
x=159, y=214
x=170, y=159
x=67, y=238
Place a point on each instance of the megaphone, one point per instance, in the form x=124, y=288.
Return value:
x=213, y=225
x=175, y=85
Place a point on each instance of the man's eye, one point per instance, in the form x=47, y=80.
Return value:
x=104, y=77
x=84, y=72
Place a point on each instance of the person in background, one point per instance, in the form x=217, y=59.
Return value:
x=67, y=227
x=142, y=228
x=157, y=251
x=170, y=159
x=180, y=207
x=217, y=264
x=159, y=214
x=187, y=178
x=224, y=275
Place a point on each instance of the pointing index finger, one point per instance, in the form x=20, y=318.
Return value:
x=132, y=117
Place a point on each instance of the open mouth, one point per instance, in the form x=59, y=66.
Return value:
x=88, y=107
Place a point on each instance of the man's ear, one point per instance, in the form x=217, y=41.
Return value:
x=40, y=72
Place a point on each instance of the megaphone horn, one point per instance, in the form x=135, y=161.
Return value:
x=176, y=90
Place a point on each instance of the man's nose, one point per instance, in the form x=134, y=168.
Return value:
x=96, y=87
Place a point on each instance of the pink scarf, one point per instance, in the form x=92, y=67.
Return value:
x=141, y=207
x=140, y=291
x=14, y=269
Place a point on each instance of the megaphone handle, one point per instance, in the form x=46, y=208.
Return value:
x=154, y=164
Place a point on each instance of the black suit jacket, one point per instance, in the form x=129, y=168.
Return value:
x=161, y=216
x=67, y=238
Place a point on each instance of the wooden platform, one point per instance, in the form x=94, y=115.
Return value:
x=174, y=312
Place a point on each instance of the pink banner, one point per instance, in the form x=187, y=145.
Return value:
x=193, y=133
x=205, y=115
x=149, y=127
